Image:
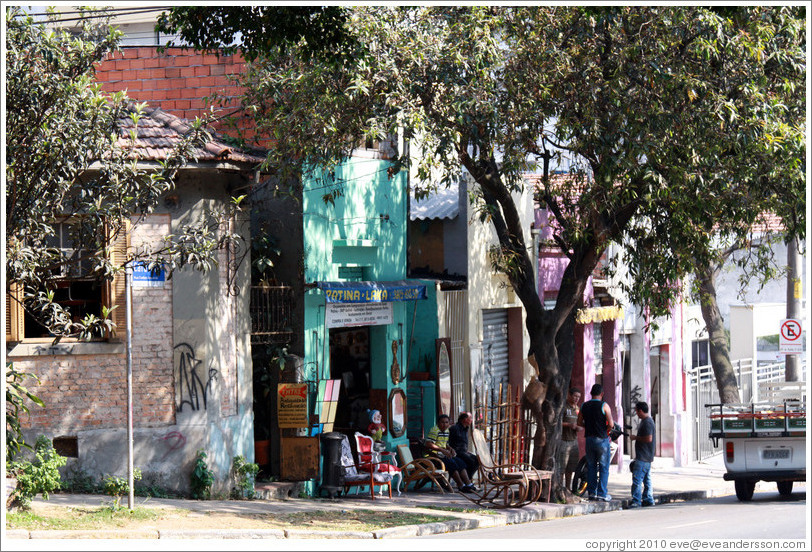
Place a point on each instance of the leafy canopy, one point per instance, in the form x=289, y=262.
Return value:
x=665, y=118
x=66, y=163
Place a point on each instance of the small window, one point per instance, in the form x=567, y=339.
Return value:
x=350, y=272
x=700, y=354
x=75, y=289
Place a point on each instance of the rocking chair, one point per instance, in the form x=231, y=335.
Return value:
x=511, y=485
x=422, y=470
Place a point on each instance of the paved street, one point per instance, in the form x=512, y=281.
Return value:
x=768, y=516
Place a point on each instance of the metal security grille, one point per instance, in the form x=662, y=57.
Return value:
x=455, y=302
x=271, y=314
x=495, y=346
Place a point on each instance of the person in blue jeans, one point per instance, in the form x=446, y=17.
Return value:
x=596, y=419
x=643, y=457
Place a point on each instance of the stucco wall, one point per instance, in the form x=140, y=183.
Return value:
x=191, y=368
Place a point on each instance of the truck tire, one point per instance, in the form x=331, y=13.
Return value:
x=744, y=489
x=784, y=488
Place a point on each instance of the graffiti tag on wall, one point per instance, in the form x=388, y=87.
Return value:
x=175, y=440
x=193, y=388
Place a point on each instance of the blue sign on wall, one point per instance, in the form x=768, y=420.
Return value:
x=143, y=277
x=372, y=292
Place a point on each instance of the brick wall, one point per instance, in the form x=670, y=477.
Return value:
x=84, y=392
x=177, y=81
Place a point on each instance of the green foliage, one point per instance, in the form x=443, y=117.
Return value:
x=245, y=474
x=117, y=487
x=38, y=476
x=201, y=478
x=69, y=160
x=265, y=253
x=319, y=29
x=78, y=481
x=16, y=395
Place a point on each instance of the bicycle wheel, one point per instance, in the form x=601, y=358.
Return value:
x=578, y=486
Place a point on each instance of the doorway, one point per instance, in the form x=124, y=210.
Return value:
x=349, y=362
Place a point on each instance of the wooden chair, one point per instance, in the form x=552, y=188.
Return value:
x=421, y=471
x=369, y=457
x=510, y=485
x=356, y=476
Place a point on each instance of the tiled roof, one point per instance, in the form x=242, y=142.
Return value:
x=158, y=132
x=444, y=203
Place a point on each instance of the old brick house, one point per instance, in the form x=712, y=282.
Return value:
x=191, y=356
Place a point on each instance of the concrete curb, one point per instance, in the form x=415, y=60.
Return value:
x=463, y=523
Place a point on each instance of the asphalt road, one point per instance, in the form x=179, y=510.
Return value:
x=767, y=516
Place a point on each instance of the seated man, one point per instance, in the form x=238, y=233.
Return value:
x=458, y=440
x=436, y=444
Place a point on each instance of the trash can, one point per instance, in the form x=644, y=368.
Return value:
x=331, y=463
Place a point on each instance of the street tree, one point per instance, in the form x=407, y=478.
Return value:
x=751, y=191
x=317, y=30
x=67, y=163
x=623, y=94
x=71, y=179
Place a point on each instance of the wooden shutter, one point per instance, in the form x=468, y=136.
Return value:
x=14, y=313
x=116, y=290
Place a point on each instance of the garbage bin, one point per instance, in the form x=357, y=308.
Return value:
x=331, y=463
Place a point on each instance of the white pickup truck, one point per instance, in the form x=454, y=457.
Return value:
x=765, y=440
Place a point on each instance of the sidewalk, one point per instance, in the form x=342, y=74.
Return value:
x=693, y=482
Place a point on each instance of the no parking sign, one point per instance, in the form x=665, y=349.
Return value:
x=789, y=337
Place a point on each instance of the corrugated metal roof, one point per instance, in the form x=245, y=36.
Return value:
x=444, y=203
x=158, y=132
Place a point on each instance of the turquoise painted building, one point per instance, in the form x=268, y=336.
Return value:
x=359, y=311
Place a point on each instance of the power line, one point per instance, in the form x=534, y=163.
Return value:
x=105, y=14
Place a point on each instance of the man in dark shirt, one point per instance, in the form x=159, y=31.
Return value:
x=458, y=440
x=643, y=457
x=596, y=419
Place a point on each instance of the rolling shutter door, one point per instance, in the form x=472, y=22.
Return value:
x=495, y=346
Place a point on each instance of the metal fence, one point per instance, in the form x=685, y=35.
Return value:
x=704, y=391
x=271, y=314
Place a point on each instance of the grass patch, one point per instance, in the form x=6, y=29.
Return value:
x=47, y=517
x=79, y=518
x=351, y=520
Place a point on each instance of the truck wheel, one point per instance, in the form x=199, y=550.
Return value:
x=744, y=489
x=784, y=488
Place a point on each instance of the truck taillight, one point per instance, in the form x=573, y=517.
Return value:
x=729, y=451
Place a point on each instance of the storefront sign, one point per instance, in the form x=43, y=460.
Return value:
x=372, y=292
x=598, y=314
x=341, y=315
x=292, y=405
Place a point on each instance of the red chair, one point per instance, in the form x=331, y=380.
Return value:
x=380, y=461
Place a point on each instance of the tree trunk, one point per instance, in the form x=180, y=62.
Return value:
x=719, y=354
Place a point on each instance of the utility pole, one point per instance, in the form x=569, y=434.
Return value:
x=794, y=293
x=129, y=318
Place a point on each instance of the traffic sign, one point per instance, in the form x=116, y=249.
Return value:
x=789, y=338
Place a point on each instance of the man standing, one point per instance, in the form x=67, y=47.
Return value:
x=643, y=457
x=568, y=453
x=458, y=440
x=436, y=444
x=596, y=419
